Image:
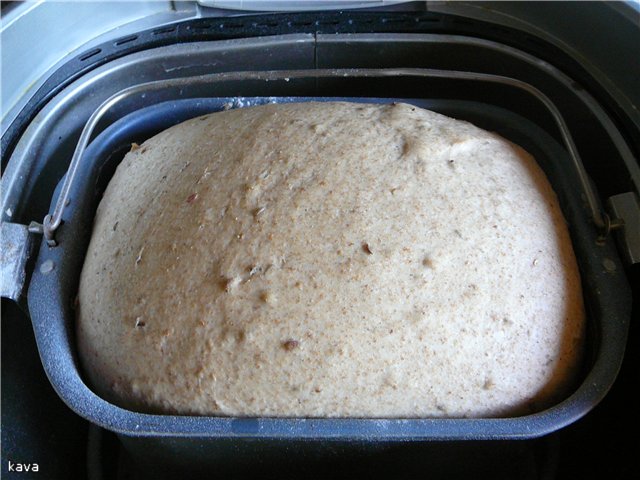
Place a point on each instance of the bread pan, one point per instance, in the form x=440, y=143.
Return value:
x=168, y=440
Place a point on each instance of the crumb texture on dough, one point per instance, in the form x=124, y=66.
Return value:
x=327, y=260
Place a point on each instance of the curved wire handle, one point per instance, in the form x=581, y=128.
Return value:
x=53, y=221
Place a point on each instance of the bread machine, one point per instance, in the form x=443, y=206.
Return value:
x=517, y=68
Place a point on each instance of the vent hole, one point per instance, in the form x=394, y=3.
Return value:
x=124, y=40
x=90, y=54
x=160, y=31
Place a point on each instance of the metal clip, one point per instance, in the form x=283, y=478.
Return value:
x=17, y=246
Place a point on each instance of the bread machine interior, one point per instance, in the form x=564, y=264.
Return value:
x=507, y=70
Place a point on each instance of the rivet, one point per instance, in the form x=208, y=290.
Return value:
x=609, y=265
x=47, y=266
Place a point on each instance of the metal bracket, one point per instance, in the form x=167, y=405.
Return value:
x=17, y=246
x=626, y=207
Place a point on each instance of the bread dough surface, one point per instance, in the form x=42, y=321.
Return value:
x=329, y=260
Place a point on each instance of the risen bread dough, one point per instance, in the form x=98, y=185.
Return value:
x=330, y=259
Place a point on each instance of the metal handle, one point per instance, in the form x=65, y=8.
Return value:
x=52, y=222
